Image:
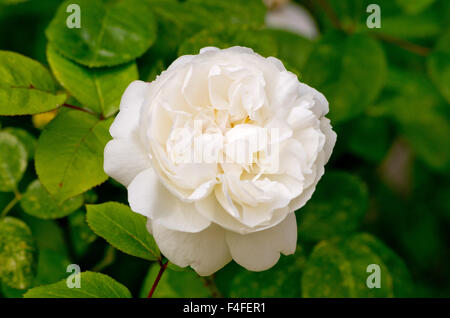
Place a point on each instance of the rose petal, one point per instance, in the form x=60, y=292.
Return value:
x=206, y=251
x=149, y=197
x=261, y=250
x=127, y=120
x=124, y=159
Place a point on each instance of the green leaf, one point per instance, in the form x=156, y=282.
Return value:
x=338, y=268
x=361, y=142
x=26, y=87
x=349, y=71
x=13, y=161
x=93, y=285
x=39, y=203
x=227, y=13
x=282, y=280
x=99, y=90
x=81, y=234
x=69, y=155
x=293, y=49
x=17, y=253
x=421, y=116
x=27, y=139
x=182, y=284
x=337, y=207
x=111, y=33
x=438, y=64
x=53, y=255
x=123, y=229
x=420, y=26
x=415, y=6
x=227, y=36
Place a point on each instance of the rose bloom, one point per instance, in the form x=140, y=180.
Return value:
x=203, y=213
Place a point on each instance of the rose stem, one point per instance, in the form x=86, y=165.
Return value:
x=161, y=271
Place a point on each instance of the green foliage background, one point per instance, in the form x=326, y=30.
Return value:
x=383, y=200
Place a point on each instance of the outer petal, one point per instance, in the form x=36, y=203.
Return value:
x=261, y=250
x=148, y=196
x=124, y=159
x=330, y=135
x=206, y=252
x=127, y=120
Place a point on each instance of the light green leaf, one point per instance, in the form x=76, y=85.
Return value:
x=349, y=71
x=13, y=161
x=438, y=64
x=337, y=207
x=282, y=280
x=27, y=139
x=123, y=229
x=18, y=254
x=93, y=285
x=99, y=90
x=39, y=203
x=181, y=284
x=69, y=155
x=111, y=33
x=26, y=87
x=338, y=268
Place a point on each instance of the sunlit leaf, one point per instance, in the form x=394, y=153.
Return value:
x=123, y=229
x=93, y=285
x=69, y=155
x=26, y=87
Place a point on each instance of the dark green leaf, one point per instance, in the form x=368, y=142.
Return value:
x=182, y=284
x=283, y=280
x=337, y=207
x=260, y=41
x=53, y=256
x=81, y=234
x=39, y=203
x=439, y=65
x=349, y=71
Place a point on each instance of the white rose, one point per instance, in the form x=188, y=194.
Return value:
x=204, y=213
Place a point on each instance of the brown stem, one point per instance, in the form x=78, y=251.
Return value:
x=78, y=108
x=158, y=278
x=330, y=13
x=411, y=47
x=210, y=284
